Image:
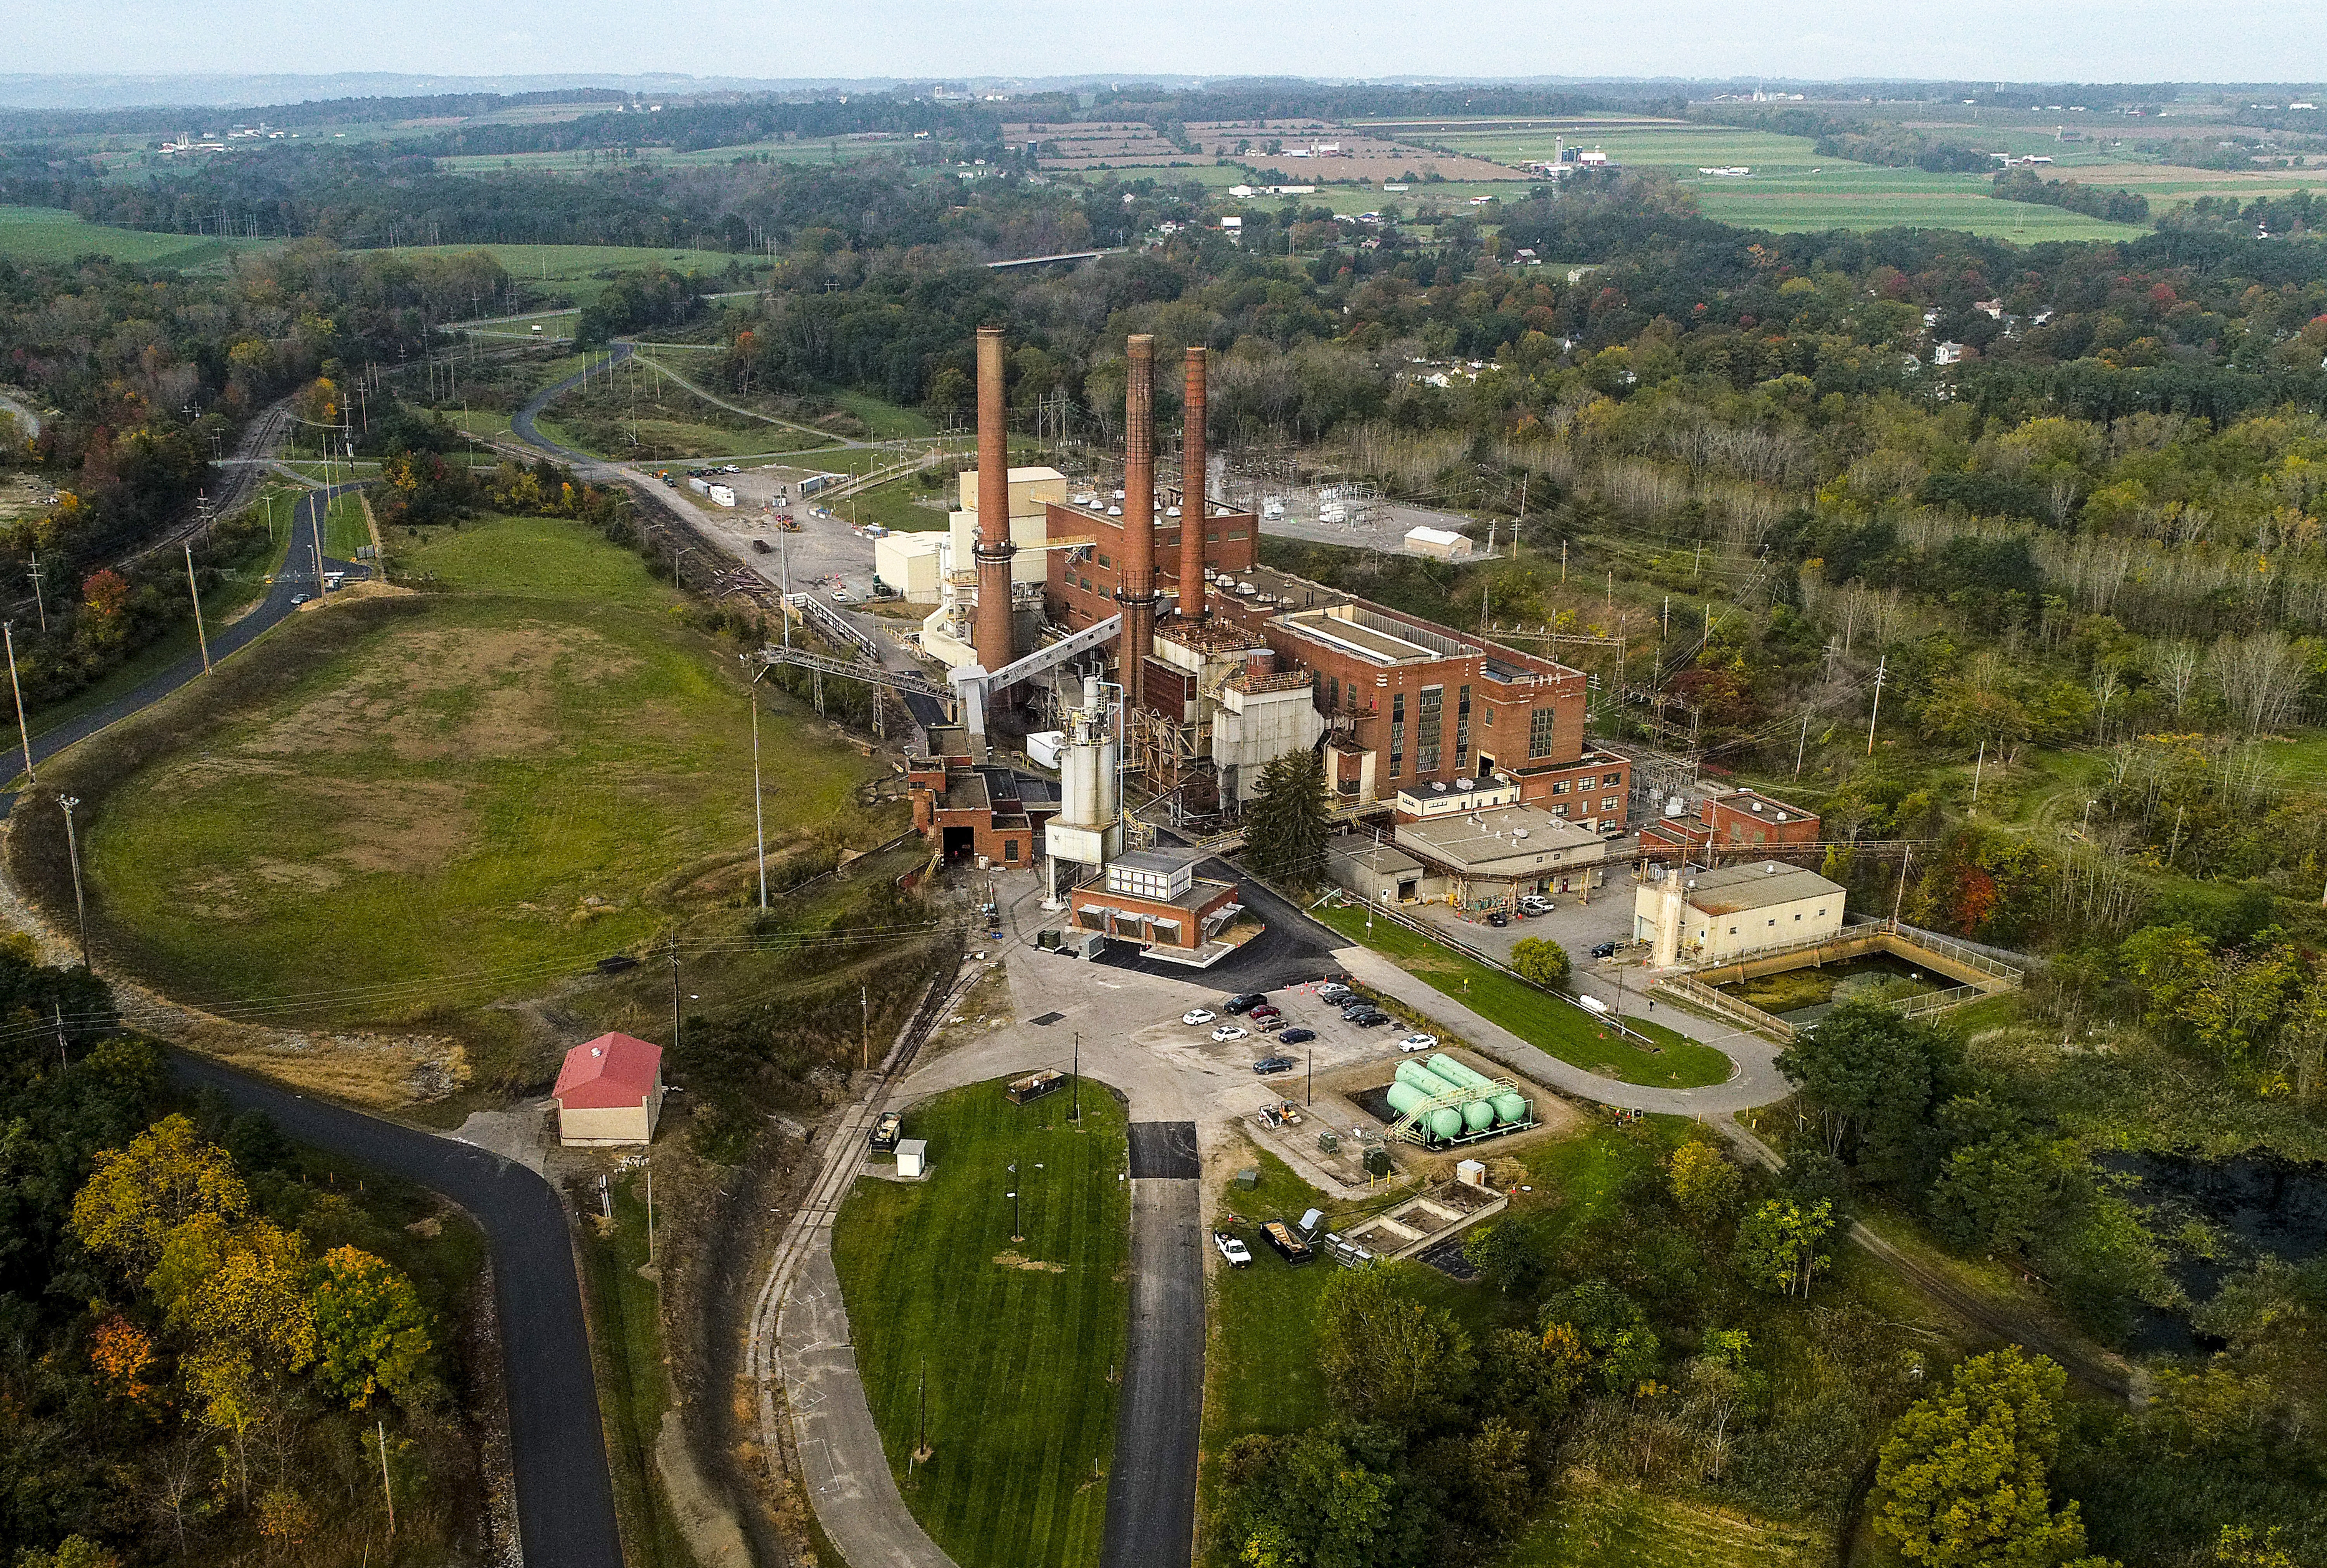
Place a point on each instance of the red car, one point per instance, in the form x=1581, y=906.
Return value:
x=1263, y=1011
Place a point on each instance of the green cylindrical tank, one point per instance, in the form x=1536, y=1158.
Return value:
x=1510, y=1108
x=1442, y=1124
x=1478, y=1115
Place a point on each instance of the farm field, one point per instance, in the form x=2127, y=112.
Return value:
x=447, y=800
x=1541, y=1019
x=53, y=234
x=584, y=160
x=569, y=270
x=1017, y=1337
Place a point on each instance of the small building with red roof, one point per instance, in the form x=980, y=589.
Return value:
x=609, y=1091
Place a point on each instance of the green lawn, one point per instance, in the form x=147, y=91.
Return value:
x=1541, y=1019
x=897, y=505
x=1017, y=1338
x=1592, y=1525
x=1264, y=1374
x=423, y=816
x=344, y=528
x=884, y=420
x=53, y=234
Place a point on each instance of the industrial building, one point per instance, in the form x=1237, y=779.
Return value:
x=1736, y=821
x=1494, y=858
x=609, y=1091
x=1713, y=915
x=1154, y=899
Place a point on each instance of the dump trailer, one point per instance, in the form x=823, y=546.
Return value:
x=1288, y=1242
x=1034, y=1085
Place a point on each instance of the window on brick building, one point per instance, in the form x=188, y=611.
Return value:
x=1010, y=849
x=1398, y=734
x=1332, y=693
x=1461, y=725
x=1429, y=718
x=1539, y=732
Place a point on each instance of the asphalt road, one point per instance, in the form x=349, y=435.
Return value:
x=295, y=581
x=564, y=1497
x=1151, y=1488
x=521, y=423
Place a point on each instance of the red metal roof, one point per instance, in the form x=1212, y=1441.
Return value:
x=610, y=1071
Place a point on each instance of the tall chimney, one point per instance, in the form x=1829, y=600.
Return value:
x=1137, y=594
x=1193, y=521
x=993, y=549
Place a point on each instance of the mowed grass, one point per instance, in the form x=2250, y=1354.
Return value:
x=53, y=234
x=633, y=1389
x=1595, y=1526
x=1017, y=1338
x=422, y=819
x=1543, y=1020
x=1263, y=1366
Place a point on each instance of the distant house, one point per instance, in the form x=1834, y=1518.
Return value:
x=1947, y=354
x=1993, y=309
x=609, y=1091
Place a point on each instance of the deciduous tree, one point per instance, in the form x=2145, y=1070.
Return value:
x=1963, y=1481
x=1543, y=961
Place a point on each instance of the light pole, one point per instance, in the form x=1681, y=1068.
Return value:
x=1017, y=1208
x=81, y=906
x=758, y=823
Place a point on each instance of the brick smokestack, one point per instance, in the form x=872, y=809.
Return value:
x=993, y=550
x=1193, y=521
x=1138, y=596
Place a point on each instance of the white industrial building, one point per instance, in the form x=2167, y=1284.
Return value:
x=1710, y=917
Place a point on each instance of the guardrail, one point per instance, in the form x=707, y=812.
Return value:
x=1861, y=928
x=1742, y=1014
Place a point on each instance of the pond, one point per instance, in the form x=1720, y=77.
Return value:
x=1805, y=995
x=2252, y=1207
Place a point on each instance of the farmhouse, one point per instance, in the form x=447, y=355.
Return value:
x=609, y=1091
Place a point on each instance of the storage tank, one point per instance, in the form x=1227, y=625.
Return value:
x=1510, y=1106
x=1477, y=1115
x=1442, y=1124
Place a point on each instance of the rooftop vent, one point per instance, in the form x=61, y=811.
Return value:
x=1757, y=806
x=1438, y=787
x=1771, y=869
x=1519, y=833
x=1467, y=783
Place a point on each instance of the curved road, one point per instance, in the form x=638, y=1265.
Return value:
x=564, y=1498
x=295, y=581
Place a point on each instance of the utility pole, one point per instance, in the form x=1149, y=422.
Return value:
x=194, y=588
x=315, y=516
x=1563, y=561
x=674, y=990
x=386, y=1490
x=23, y=732
x=759, y=822
x=1977, y=764
x=865, y=1001
x=40, y=600
x=81, y=905
x=1803, y=744
x=1881, y=667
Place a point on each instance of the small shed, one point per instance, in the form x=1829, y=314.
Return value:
x=913, y=1159
x=609, y=1091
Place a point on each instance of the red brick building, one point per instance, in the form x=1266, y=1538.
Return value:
x=1740, y=821
x=1083, y=583
x=1153, y=897
x=972, y=811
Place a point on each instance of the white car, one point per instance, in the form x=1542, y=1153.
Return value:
x=1413, y=1042
x=1235, y=1252
x=1196, y=1016
x=1228, y=1032
x=843, y=596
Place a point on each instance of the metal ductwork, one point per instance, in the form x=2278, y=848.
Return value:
x=1192, y=509
x=993, y=550
x=1137, y=594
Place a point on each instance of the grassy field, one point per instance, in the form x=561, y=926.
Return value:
x=1018, y=1337
x=1592, y=1526
x=53, y=234
x=583, y=160
x=1542, y=1021
x=1264, y=1374
x=633, y=1390
x=344, y=528
x=569, y=272
x=479, y=792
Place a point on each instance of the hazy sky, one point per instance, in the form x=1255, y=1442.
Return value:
x=2022, y=40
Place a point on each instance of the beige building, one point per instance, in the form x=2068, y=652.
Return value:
x=1498, y=855
x=1031, y=491
x=914, y=564
x=609, y=1091
x=1711, y=917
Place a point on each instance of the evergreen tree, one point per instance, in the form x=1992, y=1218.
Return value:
x=1286, y=824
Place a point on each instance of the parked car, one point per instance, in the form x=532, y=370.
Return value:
x=1273, y=1064
x=1270, y=1024
x=1374, y=1020
x=1353, y=1010
x=1413, y=1042
x=1235, y=1252
x=1495, y=917
x=298, y=599
x=1297, y=1037
x=1244, y=1003
x=1266, y=1011
x=1603, y=950
x=843, y=596
x=1196, y=1016
x=1227, y=1031
x=1334, y=993
x=1532, y=906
